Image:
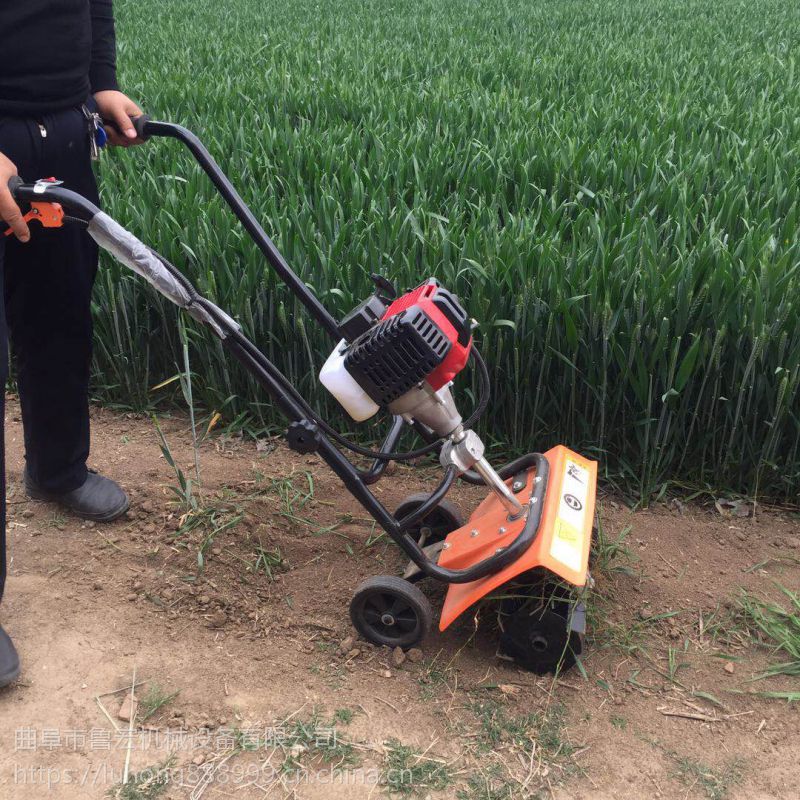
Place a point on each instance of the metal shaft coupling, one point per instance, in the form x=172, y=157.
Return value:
x=462, y=451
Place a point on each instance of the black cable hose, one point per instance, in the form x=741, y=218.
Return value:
x=264, y=362
x=365, y=451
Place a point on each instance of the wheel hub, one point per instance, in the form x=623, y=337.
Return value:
x=390, y=611
x=539, y=643
x=546, y=639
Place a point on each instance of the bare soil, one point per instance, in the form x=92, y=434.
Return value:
x=271, y=693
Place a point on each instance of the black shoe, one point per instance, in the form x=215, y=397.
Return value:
x=99, y=499
x=9, y=660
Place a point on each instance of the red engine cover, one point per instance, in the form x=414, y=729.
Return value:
x=425, y=297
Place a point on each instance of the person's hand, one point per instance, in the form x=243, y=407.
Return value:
x=9, y=210
x=119, y=109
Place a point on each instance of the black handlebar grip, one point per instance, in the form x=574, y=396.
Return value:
x=140, y=126
x=14, y=182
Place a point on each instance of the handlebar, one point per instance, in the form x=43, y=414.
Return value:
x=140, y=124
x=52, y=192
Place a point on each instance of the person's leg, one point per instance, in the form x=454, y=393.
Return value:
x=3, y=379
x=48, y=304
x=48, y=287
x=13, y=143
x=9, y=660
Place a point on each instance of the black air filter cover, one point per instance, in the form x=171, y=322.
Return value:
x=395, y=355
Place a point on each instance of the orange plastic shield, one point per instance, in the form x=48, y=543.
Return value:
x=561, y=546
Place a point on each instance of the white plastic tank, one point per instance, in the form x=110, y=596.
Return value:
x=341, y=384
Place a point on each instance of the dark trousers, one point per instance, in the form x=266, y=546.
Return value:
x=47, y=314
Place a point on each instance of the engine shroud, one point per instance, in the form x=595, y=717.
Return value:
x=423, y=336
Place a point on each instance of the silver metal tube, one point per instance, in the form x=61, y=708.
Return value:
x=498, y=486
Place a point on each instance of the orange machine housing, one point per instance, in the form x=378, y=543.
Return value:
x=561, y=545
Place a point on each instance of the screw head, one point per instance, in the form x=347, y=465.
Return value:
x=534, y=500
x=537, y=479
x=516, y=486
x=499, y=550
x=446, y=546
x=473, y=532
x=501, y=530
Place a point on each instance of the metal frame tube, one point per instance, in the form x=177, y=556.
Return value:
x=498, y=486
x=248, y=220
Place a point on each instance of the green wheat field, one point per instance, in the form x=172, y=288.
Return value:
x=611, y=187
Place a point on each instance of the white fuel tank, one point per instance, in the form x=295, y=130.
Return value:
x=341, y=384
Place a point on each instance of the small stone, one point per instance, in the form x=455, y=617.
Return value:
x=204, y=599
x=346, y=645
x=792, y=542
x=644, y=613
x=218, y=619
x=131, y=598
x=414, y=655
x=137, y=584
x=729, y=667
x=150, y=529
x=97, y=586
x=398, y=657
x=199, y=759
x=386, y=673
x=216, y=551
x=741, y=536
x=127, y=708
x=148, y=507
x=27, y=513
x=354, y=652
x=90, y=523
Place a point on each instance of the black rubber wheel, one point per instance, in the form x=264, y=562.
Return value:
x=544, y=639
x=440, y=521
x=391, y=611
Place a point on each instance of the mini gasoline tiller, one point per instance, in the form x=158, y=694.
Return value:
x=401, y=354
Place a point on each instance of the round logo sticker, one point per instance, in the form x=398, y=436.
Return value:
x=573, y=502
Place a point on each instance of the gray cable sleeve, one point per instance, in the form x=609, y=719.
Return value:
x=135, y=255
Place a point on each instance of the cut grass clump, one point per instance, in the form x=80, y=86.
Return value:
x=146, y=784
x=714, y=783
x=545, y=728
x=489, y=784
x=315, y=739
x=778, y=628
x=154, y=699
x=407, y=772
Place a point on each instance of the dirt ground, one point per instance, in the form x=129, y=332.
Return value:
x=274, y=701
